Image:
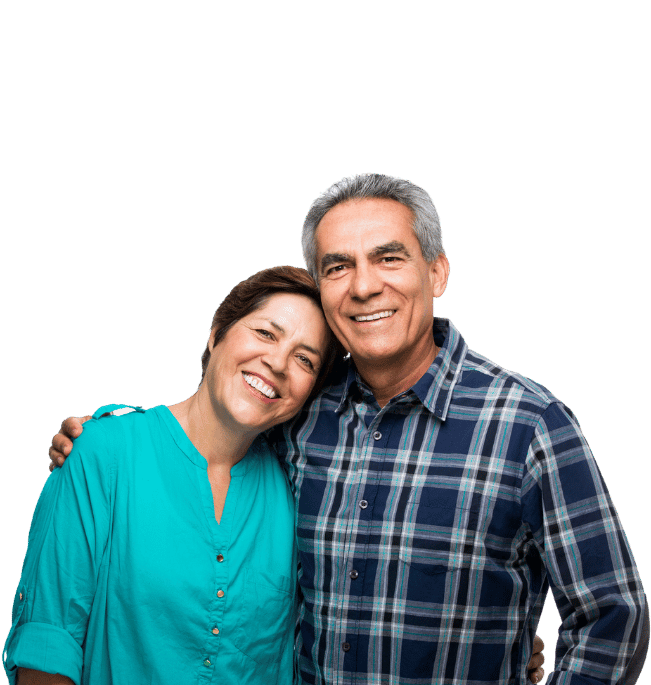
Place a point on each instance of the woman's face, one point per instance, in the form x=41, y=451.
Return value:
x=264, y=368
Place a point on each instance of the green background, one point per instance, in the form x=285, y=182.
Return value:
x=153, y=154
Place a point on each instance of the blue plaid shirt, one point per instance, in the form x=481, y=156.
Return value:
x=430, y=530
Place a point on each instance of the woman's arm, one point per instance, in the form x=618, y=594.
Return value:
x=26, y=676
x=67, y=542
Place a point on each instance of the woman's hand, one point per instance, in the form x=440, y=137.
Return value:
x=536, y=671
x=71, y=428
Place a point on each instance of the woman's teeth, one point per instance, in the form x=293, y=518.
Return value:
x=379, y=315
x=256, y=383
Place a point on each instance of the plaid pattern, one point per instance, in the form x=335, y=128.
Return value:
x=429, y=532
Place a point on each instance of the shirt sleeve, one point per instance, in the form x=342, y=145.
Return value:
x=67, y=541
x=589, y=564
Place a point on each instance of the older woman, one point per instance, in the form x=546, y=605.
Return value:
x=163, y=551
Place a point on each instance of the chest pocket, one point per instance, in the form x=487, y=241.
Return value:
x=445, y=536
x=267, y=616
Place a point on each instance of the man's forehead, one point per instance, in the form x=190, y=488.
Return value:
x=378, y=221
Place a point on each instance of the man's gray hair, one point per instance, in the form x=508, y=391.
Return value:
x=426, y=221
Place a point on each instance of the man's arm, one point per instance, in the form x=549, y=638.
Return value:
x=61, y=446
x=635, y=664
x=586, y=555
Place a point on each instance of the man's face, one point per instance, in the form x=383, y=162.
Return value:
x=376, y=287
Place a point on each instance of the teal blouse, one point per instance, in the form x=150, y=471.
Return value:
x=129, y=578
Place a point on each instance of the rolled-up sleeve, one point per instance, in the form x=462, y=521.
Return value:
x=587, y=558
x=67, y=544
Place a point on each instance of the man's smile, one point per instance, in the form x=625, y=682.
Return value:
x=385, y=314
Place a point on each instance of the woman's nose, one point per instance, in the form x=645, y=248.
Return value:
x=277, y=361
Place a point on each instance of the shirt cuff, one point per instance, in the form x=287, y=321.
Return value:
x=46, y=648
x=569, y=678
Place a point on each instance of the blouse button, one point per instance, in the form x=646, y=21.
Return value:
x=220, y=593
x=20, y=595
x=220, y=558
x=363, y=504
x=215, y=631
x=206, y=662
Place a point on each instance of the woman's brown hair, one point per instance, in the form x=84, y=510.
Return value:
x=253, y=293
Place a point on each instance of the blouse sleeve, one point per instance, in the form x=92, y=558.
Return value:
x=66, y=546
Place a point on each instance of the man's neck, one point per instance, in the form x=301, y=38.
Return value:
x=389, y=378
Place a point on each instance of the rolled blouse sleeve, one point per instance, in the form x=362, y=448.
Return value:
x=66, y=548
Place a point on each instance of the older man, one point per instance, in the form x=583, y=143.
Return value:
x=439, y=496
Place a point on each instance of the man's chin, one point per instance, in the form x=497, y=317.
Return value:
x=373, y=356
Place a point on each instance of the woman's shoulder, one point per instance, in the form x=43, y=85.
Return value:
x=267, y=462
x=109, y=436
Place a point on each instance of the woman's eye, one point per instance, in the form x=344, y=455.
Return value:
x=305, y=360
x=264, y=333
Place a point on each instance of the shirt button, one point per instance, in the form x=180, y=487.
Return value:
x=206, y=662
x=346, y=647
x=220, y=558
x=354, y=574
x=363, y=504
x=20, y=595
x=215, y=631
x=377, y=435
x=220, y=593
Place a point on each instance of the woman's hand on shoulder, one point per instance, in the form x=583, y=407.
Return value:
x=61, y=446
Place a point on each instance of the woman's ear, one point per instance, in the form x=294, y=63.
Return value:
x=211, y=339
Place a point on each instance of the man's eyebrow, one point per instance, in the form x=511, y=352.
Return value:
x=334, y=258
x=389, y=248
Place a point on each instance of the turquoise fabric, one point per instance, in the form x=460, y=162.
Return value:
x=124, y=564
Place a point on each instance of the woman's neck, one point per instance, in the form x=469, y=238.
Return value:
x=217, y=441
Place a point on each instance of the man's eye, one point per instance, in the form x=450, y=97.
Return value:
x=335, y=269
x=390, y=259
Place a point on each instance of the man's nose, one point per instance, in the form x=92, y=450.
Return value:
x=364, y=283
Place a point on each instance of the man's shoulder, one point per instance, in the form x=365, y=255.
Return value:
x=479, y=374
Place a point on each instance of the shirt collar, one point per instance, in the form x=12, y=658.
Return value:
x=434, y=388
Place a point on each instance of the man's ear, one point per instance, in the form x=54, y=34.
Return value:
x=439, y=272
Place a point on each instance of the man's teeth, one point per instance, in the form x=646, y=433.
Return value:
x=256, y=383
x=379, y=315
